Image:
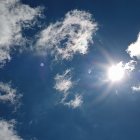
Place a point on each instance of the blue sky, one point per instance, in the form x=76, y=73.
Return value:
x=69, y=70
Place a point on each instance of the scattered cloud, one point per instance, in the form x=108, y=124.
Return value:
x=67, y=37
x=136, y=88
x=63, y=82
x=14, y=17
x=7, y=131
x=76, y=102
x=7, y=93
x=130, y=66
x=134, y=48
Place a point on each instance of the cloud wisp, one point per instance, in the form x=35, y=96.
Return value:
x=7, y=131
x=67, y=37
x=8, y=94
x=76, y=102
x=63, y=84
x=14, y=16
x=134, y=48
x=136, y=88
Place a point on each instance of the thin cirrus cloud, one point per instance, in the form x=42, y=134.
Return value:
x=8, y=94
x=67, y=37
x=7, y=131
x=134, y=48
x=14, y=17
x=63, y=84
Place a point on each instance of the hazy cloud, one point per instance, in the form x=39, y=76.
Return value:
x=7, y=131
x=68, y=36
x=14, y=16
x=134, y=48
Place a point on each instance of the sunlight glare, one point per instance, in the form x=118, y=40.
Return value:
x=116, y=72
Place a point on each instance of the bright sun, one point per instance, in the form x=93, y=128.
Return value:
x=116, y=72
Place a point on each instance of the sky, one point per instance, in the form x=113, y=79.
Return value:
x=69, y=70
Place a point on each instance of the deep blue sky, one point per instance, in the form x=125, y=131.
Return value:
x=103, y=115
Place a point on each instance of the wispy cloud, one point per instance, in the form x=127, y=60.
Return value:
x=7, y=131
x=134, y=48
x=67, y=37
x=76, y=102
x=8, y=94
x=136, y=88
x=63, y=82
x=14, y=16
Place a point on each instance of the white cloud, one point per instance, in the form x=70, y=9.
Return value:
x=76, y=102
x=134, y=48
x=136, y=88
x=7, y=131
x=69, y=36
x=130, y=66
x=7, y=93
x=14, y=16
x=63, y=82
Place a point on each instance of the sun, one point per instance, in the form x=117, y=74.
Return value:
x=116, y=72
